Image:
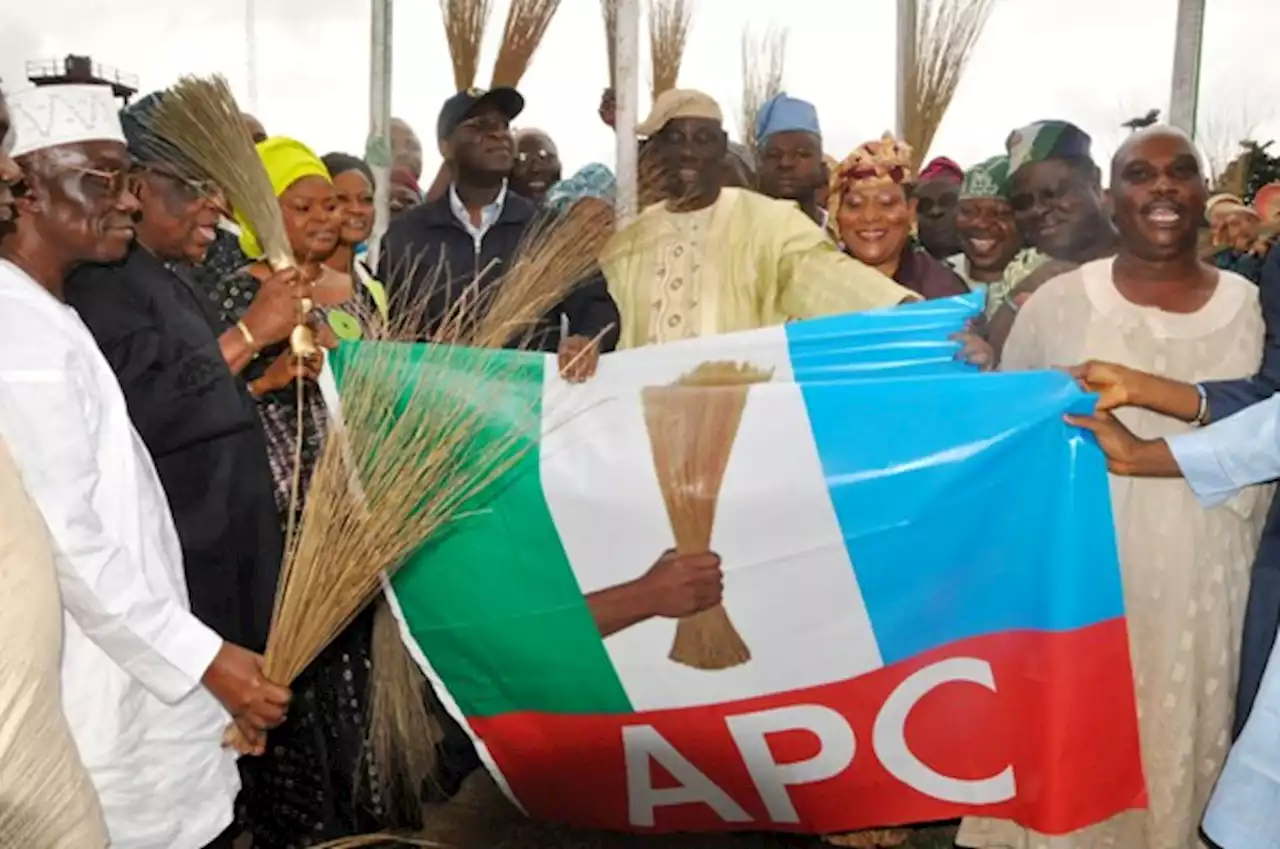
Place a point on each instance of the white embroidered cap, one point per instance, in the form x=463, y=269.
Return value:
x=53, y=115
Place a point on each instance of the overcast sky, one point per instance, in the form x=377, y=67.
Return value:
x=1096, y=62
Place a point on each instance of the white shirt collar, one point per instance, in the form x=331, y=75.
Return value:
x=488, y=216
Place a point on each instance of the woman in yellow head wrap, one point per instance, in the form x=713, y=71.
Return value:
x=312, y=783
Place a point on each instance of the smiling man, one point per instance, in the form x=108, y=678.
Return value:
x=537, y=166
x=988, y=233
x=142, y=676
x=712, y=260
x=1185, y=567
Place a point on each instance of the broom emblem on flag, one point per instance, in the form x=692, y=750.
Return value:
x=692, y=426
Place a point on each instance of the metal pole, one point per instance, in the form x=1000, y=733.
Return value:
x=377, y=151
x=627, y=75
x=1184, y=100
x=251, y=53
x=908, y=26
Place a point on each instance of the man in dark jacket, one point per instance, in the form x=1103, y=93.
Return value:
x=438, y=250
x=175, y=367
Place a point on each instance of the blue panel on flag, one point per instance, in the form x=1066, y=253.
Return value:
x=971, y=516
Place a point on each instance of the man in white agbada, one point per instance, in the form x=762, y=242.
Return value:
x=142, y=678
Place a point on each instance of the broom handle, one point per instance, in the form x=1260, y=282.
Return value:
x=302, y=341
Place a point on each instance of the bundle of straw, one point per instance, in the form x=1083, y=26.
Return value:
x=200, y=118
x=527, y=22
x=669, y=24
x=464, y=25
x=692, y=426
x=423, y=433
x=610, y=10
x=947, y=31
x=763, y=61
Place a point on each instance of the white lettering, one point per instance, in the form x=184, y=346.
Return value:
x=836, y=747
x=642, y=744
x=891, y=742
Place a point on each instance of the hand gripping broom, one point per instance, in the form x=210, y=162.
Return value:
x=692, y=425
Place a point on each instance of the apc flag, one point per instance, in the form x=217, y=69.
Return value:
x=920, y=581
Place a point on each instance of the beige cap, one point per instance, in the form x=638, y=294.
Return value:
x=679, y=103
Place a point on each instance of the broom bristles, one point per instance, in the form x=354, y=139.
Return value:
x=692, y=426
x=200, y=118
x=947, y=31
x=419, y=439
x=763, y=65
x=527, y=22
x=464, y=25
x=669, y=24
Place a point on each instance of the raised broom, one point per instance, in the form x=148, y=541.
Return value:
x=199, y=116
x=669, y=25
x=527, y=22
x=692, y=426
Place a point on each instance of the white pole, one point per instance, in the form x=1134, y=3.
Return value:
x=377, y=151
x=627, y=93
x=1185, y=97
x=251, y=54
x=908, y=23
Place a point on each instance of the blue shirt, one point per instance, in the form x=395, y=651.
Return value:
x=1218, y=462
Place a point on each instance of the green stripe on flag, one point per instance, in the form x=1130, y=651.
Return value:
x=492, y=601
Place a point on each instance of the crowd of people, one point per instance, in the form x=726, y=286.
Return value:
x=149, y=423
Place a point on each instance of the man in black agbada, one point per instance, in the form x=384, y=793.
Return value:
x=178, y=370
x=437, y=250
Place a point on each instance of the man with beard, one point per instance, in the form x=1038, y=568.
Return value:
x=790, y=143
x=142, y=676
x=177, y=368
x=537, y=166
x=1185, y=567
x=1056, y=192
x=444, y=249
x=936, y=195
x=710, y=260
x=48, y=797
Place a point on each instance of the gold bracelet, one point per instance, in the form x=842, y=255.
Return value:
x=248, y=336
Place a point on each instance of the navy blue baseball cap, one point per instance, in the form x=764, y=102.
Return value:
x=465, y=104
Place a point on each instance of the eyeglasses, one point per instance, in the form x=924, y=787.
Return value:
x=192, y=190
x=485, y=125
x=525, y=157
x=1025, y=201
x=105, y=183
x=699, y=138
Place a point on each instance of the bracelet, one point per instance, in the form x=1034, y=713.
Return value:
x=1202, y=414
x=248, y=337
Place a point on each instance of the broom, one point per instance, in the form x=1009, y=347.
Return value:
x=692, y=425
x=200, y=118
x=416, y=444
x=669, y=24
x=527, y=22
x=763, y=62
x=464, y=26
x=947, y=31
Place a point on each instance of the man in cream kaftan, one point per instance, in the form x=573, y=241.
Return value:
x=716, y=260
x=745, y=262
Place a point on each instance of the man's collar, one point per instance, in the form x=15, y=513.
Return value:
x=456, y=202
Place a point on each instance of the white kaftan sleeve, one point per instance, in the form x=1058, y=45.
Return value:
x=45, y=415
x=1231, y=454
x=1022, y=350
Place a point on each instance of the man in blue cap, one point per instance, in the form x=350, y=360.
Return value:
x=789, y=141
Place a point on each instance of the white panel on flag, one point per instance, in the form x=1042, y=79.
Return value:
x=805, y=622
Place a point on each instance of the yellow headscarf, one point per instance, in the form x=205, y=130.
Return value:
x=287, y=161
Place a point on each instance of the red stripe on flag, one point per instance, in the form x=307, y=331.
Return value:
x=1061, y=716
